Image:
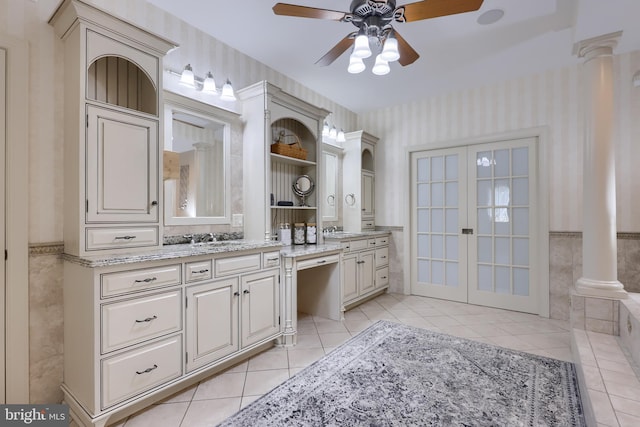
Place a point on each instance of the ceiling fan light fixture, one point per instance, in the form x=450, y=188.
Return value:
x=356, y=65
x=381, y=66
x=361, y=47
x=390, y=51
x=187, y=78
x=209, y=84
x=227, y=92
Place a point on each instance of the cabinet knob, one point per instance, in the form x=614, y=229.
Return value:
x=246, y=291
x=154, y=203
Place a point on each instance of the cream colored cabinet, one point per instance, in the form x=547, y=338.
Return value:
x=272, y=115
x=260, y=303
x=113, y=93
x=358, y=181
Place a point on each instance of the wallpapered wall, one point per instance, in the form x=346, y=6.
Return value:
x=550, y=99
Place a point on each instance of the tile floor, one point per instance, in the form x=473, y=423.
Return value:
x=214, y=399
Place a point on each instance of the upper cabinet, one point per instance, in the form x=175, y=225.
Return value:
x=282, y=159
x=359, y=181
x=113, y=129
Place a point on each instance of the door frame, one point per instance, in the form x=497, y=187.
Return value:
x=541, y=133
x=17, y=221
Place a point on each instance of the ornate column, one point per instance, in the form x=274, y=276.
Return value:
x=599, y=244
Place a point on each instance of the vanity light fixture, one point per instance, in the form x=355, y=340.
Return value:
x=333, y=133
x=341, y=137
x=206, y=85
x=325, y=129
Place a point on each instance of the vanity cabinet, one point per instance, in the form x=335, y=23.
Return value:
x=269, y=115
x=143, y=330
x=113, y=82
x=359, y=181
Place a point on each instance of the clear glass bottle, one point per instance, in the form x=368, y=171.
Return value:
x=298, y=233
x=312, y=237
x=284, y=233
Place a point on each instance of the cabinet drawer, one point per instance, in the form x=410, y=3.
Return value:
x=380, y=241
x=271, y=259
x=346, y=246
x=139, y=280
x=132, y=321
x=357, y=245
x=382, y=257
x=316, y=262
x=382, y=277
x=371, y=243
x=200, y=270
x=131, y=373
x=122, y=237
x=368, y=224
x=237, y=264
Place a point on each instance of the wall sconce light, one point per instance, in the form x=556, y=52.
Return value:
x=341, y=137
x=636, y=79
x=206, y=85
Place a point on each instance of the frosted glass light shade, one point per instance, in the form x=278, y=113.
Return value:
x=361, y=47
x=187, y=78
x=341, y=137
x=325, y=129
x=333, y=133
x=356, y=65
x=390, y=49
x=227, y=92
x=381, y=66
x=209, y=84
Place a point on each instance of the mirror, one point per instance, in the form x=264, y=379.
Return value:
x=196, y=162
x=329, y=205
x=303, y=186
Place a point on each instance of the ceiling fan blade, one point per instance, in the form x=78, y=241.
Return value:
x=307, y=12
x=407, y=54
x=434, y=8
x=337, y=50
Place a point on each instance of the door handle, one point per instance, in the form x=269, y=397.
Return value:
x=467, y=231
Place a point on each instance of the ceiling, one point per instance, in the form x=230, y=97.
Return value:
x=455, y=51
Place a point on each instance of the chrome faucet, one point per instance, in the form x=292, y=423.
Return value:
x=209, y=237
x=190, y=237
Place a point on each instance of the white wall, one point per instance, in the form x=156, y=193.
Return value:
x=550, y=99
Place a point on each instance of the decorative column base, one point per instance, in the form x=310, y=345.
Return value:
x=602, y=289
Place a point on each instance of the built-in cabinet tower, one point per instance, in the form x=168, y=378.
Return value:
x=112, y=113
x=270, y=114
x=358, y=183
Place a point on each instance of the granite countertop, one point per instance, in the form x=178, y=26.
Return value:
x=295, y=251
x=171, y=252
x=346, y=235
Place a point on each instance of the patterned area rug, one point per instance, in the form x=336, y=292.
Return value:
x=396, y=375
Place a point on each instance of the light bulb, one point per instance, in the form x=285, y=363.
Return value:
x=325, y=129
x=390, y=49
x=209, y=84
x=227, y=92
x=356, y=65
x=381, y=67
x=341, y=137
x=333, y=133
x=187, y=78
x=361, y=47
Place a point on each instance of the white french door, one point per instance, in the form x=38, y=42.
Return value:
x=473, y=235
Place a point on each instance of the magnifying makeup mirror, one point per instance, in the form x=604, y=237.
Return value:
x=303, y=186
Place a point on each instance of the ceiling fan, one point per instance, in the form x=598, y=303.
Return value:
x=373, y=18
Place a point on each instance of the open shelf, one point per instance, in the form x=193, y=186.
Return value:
x=291, y=161
x=308, y=208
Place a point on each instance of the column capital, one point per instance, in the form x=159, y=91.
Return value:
x=597, y=46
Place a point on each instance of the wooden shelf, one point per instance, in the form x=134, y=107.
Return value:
x=308, y=208
x=291, y=160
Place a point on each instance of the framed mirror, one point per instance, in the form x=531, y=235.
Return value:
x=331, y=190
x=197, y=161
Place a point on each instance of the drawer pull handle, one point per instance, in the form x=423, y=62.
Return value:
x=383, y=277
x=147, y=280
x=125, y=237
x=146, y=371
x=246, y=291
x=236, y=293
x=148, y=319
x=372, y=243
x=322, y=261
x=272, y=259
x=206, y=270
x=360, y=262
x=383, y=257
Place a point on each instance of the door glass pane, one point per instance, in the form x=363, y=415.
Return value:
x=521, y=281
x=423, y=245
x=485, y=221
x=501, y=167
x=520, y=191
x=484, y=159
x=451, y=194
x=437, y=272
x=520, y=161
x=502, y=192
x=437, y=221
x=437, y=173
x=451, y=220
x=485, y=278
x=520, y=251
x=423, y=170
x=451, y=274
x=437, y=194
x=484, y=193
x=503, y=280
x=485, y=249
x=502, y=222
x=423, y=195
x=521, y=221
x=437, y=243
x=423, y=271
x=423, y=220
x=451, y=248
x=451, y=167
x=502, y=250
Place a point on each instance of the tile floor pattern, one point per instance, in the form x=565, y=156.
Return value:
x=219, y=396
